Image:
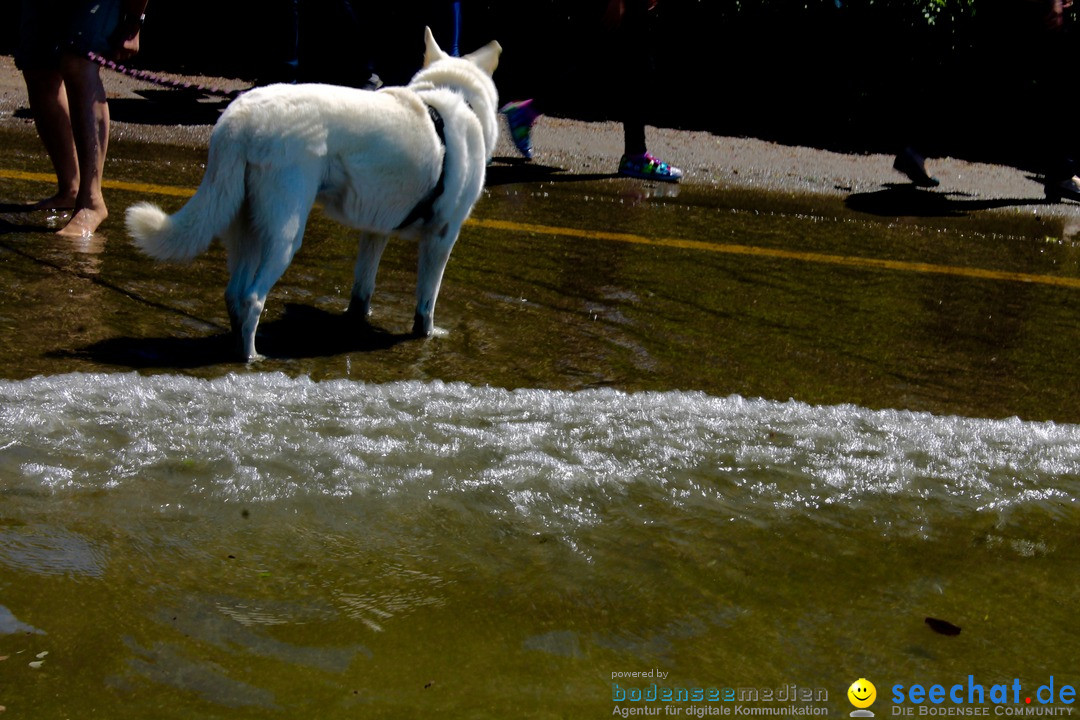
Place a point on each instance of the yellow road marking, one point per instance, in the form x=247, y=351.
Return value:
x=112, y=184
x=149, y=188
x=781, y=254
x=678, y=243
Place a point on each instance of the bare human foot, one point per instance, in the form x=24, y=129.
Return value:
x=84, y=222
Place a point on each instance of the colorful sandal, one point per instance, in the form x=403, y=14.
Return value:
x=648, y=167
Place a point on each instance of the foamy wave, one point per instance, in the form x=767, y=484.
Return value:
x=265, y=437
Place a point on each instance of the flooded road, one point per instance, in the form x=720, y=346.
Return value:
x=748, y=441
x=582, y=283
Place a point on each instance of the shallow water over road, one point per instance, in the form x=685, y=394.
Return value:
x=748, y=441
x=568, y=284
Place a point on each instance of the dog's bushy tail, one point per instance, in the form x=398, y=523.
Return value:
x=207, y=214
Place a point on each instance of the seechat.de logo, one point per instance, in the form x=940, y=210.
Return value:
x=862, y=695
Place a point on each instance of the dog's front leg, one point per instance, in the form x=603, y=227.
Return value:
x=371, y=246
x=251, y=308
x=434, y=252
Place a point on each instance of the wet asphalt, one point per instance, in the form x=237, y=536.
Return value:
x=815, y=281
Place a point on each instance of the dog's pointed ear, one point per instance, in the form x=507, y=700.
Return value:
x=432, y=51
x=487, y=57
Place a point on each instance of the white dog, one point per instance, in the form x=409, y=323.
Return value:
x=406, y=160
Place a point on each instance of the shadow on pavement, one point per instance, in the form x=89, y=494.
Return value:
x=302, y=332
x=160, y=107
x=511, y=171
x=912, y=201
x=8, y=227
x=168, y=107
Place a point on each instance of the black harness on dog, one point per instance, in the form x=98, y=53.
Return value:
x=425, y=209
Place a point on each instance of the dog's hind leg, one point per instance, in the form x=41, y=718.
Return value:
x=243, y=268
x=279, y=203
x=434, y=252
x=240, y=264
x=371, y=246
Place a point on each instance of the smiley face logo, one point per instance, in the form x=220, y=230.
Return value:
x=862, y=693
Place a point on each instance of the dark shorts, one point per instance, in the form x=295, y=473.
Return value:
x=50, y=28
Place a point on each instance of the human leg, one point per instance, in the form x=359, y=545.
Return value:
x=636, y=69
x=912, y=163
x=49, y=106
x=1056, y=148
x=637, y=161
x=89, y=113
